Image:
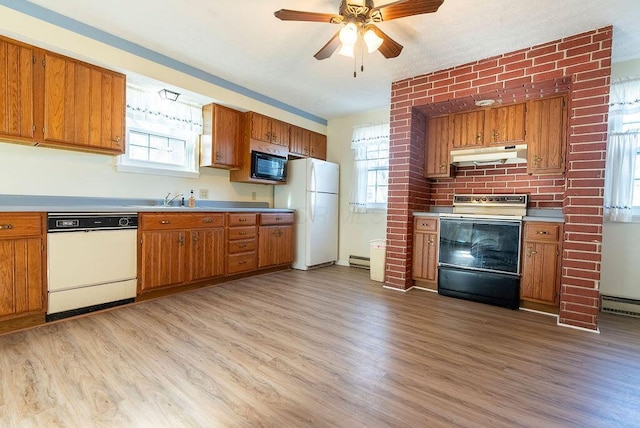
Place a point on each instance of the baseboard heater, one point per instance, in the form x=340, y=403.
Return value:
x=359, y=262
x=621, y=305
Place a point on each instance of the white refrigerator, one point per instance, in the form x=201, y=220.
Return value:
x=312, y=190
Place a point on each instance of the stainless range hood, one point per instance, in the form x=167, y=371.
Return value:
x=490, y=155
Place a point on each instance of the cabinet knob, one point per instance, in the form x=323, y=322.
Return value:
x=116, y=140
x=443, y=165
x=536, y=159
x=479, y=136
x=181, y=240
x=165, y=221
x=6, y=226
x=207, y=220
x=195, y=238
x=542, y=232
x=495, y=135
x=531, y=251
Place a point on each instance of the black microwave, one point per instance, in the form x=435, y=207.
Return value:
x=268, y=167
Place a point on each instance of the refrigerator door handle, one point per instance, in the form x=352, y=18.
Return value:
x=312, y=184
x=312, y=207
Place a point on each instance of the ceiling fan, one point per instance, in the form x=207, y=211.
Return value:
x=358, y=18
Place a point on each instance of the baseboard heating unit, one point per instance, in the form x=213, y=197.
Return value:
x=621, y=305
x=359, y=262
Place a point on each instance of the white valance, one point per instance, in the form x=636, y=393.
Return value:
x=149, y=107
x=369, y=135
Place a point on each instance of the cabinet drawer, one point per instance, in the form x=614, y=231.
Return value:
x=276, y=218
x=167, y=221
x=241, y=219
x=244, y=262
x=542, y=231
x=12, y=225
x=241, y=246
x=241, y=232
x=424, y=224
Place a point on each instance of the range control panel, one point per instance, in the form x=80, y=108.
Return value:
x=69, y=222
x=512, y=200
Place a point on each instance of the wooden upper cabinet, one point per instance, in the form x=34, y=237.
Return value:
x=318, y=146
x=505, y=125
x=267, y=129
x=468, y=129
x=546, y=135
x=437, y=147
x=299, y=141
x=84, y=106
x=19, y=68
x=221, y=141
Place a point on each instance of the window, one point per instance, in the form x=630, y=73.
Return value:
x=162, y=136
x=377, y=175
x=630, y=123
x=371, y=168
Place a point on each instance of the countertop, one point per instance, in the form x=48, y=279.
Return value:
x=546, y=215
x=75, y=204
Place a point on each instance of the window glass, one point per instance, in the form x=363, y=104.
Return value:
x=377, y=175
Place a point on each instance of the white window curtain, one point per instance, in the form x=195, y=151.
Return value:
x=362, y=138
x=622, y=147
x=148, y=107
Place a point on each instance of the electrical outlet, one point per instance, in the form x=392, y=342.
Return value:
x=253, y=196
x=204, y=193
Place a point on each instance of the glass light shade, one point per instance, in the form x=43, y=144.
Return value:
x=347, y=50
x=372, y=41
x=349, y=34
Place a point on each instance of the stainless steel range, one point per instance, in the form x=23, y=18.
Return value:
x=479, y=252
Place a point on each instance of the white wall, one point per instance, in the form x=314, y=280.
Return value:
x=356, y=230
x=620, y=269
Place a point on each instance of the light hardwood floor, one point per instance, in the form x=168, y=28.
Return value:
x=322, y=348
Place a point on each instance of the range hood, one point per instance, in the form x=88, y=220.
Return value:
x=490, y=155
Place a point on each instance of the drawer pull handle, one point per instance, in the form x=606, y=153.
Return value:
x=242, y=220
x=208, y=220
x=242, y=233
x=165, y=222
x=6, y=226
x=542, y=232
x=278, y=218
x=243, y=262
x=242, y=246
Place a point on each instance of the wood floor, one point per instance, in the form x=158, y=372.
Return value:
x=325, y=348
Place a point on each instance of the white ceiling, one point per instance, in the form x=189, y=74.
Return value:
x=242, y=42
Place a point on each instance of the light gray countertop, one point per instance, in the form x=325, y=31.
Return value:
x=77, y=204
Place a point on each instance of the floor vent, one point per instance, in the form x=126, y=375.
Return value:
x=359, y=262
x=622, y=306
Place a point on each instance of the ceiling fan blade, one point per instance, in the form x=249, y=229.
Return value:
x=389, y=47
x=402, y=8
x=297, y=15
x=328, y=49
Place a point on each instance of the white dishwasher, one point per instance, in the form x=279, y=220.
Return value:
x=92, y=259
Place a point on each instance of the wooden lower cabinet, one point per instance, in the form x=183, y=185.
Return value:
x=425, y=252
x=22, y=270
x=275, y=239
x=541, y=264
x=179, y=248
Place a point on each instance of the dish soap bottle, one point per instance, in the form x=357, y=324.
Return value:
x=192, y=200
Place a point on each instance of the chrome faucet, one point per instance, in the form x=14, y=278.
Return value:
x=168, y=200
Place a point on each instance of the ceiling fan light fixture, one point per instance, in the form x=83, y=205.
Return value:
x=347, y=50
x=372, y=40
x=349, y=34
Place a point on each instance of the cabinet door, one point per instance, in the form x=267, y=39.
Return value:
x=275, y=245
x=21, y=281
x=280, y=133
x=299, y=140
x=318, y=146
x=425, y=256
x=260, y=127
x=84, y=106
x=437, y=148
x=206, y=254
x=163, y=261
x=505, y=125
x=540, y=271
x=221, y=140
x=546, y=135
x=468, y=129
x=16, y=91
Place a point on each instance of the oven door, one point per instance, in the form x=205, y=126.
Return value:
x=480, y=244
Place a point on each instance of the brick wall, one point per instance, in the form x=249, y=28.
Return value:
x=580, y=66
